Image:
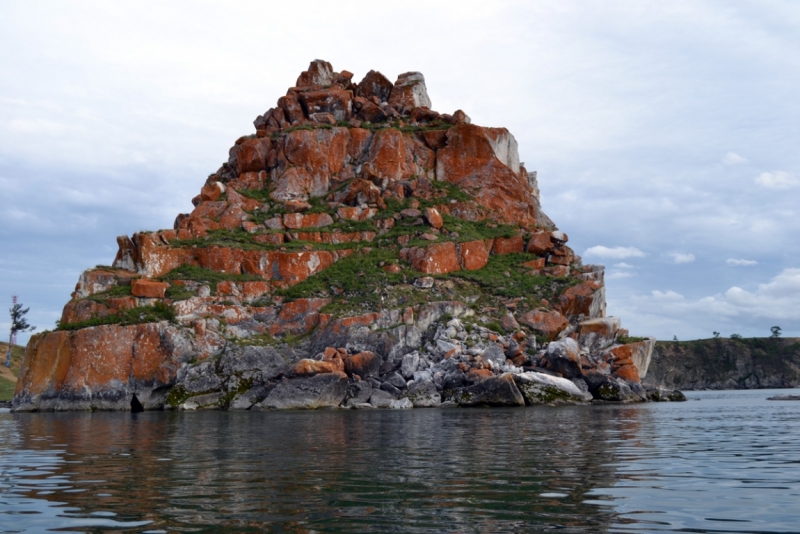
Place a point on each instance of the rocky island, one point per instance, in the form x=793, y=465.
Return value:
x=358, y=250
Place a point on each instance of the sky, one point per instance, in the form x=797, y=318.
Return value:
x=665, y=134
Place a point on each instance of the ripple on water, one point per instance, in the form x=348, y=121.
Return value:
x=726, y=463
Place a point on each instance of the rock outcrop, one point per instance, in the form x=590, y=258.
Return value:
x=358, y=250
x=743, y=363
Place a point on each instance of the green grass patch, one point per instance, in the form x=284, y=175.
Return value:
x=623, y=340
x=160, y=311
x=505, y=277
x=6, y=388
x=179, y=293
x=114, y=292
x=206, y=276
x=358, y=278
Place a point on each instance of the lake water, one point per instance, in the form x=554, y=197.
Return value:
x=721, y=462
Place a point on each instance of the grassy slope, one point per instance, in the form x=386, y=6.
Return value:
x=8, y=377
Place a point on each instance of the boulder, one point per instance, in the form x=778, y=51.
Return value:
x=409, y=92
x=433, y=217
x=539, y=388
x=439, y=258
x=472, y=255
x=358, y=392
x=495, y=391
x=508, y=245
x=319, y=73
x=320, y=391
x=423, y=394
x=375, y=84
x=548, y=323
x=598, y=334
x=564, y=357
x=586, y=300
x=148, y=288
x=364, y=364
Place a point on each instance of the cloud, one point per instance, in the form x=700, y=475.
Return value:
x=623, y=265
x=734, y=310
x=742, y=263
x=679, y=257
x=619, y=253
x=732, y=158
x=777, y=180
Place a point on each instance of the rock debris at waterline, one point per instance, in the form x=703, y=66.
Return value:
x=359, y=250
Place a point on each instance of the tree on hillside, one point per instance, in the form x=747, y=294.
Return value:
x=18, y=324
x=776, y=331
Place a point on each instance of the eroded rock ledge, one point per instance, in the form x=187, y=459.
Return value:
x=359, y=250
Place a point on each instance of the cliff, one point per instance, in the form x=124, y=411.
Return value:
x=745, y=363
x=359, y=250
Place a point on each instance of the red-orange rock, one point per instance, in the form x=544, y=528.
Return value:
x=534, y=264
x=291, y=107
x=547, y=323
x=364, y=364
x=540, y=243
x=586, y=299
x=359, y=143
x=485, y=161
x=127, y=255
x=472, y=255
x=311, y=220
x=211, y=192
x=307, y=367
x=375, y=84
x=156, y=259
x=291, y=268
x=629, y=373
x=389, y=158
x=333, y=100
x=144, y=288
x=251, y=155
x=435, y=259
x=76, y=311
x=220, y=259
x=298, y=317
x=562, y=255
x=433, y=217
x=98, y=367
x=409, y=92
x=319, y=73
x=435, y=139
x=508, y=245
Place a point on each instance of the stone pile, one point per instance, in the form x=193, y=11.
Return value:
x=451, y=286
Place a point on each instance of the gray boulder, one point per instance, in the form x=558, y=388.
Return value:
x=564, y=357
x=495, y=391
x=539, y=388
x=319, y=391
x=424, y=394
x=494, y=353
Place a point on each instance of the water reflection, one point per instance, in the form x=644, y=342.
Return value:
x=337, y=471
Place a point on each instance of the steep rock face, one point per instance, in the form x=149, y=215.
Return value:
x=300, y=277
x=745, y=363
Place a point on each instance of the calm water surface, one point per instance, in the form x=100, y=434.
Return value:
x=722, y=462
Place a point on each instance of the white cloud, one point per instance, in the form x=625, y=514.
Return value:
x=615, y=253
x=732, y=158
x=737, y=309
x=616, y=275
x=777, y=180
x=623, y=265
x=739, y=262
x=679, y=257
